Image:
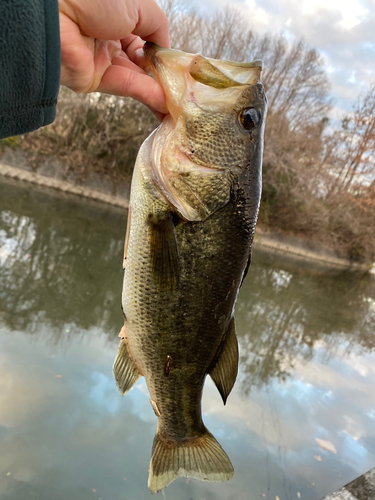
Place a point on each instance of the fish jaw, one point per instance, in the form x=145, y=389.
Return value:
x=169, y=69
x=191, y=79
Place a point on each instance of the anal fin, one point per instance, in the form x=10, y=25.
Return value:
x=225, y=368
x=124, y=370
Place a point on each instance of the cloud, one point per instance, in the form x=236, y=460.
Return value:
x=341, y=30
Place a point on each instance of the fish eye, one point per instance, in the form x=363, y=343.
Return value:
x=249, y=118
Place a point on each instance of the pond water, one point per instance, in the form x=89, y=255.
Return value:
x=299, y=423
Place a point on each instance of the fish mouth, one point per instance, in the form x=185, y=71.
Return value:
x=153, y=52
x=150, y=50
x=170, y=69
x=233, y=73
x=183, y=76
x=159, y=57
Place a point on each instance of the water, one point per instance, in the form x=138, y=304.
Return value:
x=307, y=370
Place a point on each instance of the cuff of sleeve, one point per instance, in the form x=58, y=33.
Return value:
x=22, y=121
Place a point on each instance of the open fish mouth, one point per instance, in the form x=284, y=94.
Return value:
x=214, y=72
x=182, y=75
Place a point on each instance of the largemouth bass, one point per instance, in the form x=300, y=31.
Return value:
x=193, y=208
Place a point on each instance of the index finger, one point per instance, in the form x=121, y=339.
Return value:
x=152, y=23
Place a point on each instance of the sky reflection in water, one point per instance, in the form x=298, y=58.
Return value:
x=307, y=370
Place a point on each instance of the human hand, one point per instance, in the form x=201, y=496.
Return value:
x=100, y=47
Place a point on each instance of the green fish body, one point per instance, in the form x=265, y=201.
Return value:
x=194, y=204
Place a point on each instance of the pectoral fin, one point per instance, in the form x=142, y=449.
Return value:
x=163, y=249
x=124, y=370
x=225, y=369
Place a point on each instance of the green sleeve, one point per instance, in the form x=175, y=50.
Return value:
x=29, y=64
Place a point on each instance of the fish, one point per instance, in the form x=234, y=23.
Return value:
x=193, y=208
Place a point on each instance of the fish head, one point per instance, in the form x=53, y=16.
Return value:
x=212, y=138
x=221, y=104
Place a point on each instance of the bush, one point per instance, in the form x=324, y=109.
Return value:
x=94, y=132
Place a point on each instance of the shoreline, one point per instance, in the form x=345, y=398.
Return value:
x=301, y=250
x=50, y=175
x=68, y=185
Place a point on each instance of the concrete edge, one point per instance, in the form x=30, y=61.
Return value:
x=60, y=185
x=298, y=250
x=362, y=488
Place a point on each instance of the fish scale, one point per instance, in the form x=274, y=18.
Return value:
x=190, y=229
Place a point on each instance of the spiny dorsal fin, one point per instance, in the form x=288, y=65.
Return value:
x=124, y=370
x=225, y=370
x=201, y=457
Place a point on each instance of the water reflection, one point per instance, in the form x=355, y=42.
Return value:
x=63, y=269
x=57, y=262
x=307, y=370
x=283, y=316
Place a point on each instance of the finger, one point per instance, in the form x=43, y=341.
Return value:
x=159, y=116
x=152, y=23
x=124, y=62
x=116, y=20
x=131, y=43
x=133, y=47
x=104, y=20
x=139, y=58
x=76, y=52
x=121, y=81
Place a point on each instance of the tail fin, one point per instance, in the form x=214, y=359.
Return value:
x=201, y=457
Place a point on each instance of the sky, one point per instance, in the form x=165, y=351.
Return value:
x=343, y=31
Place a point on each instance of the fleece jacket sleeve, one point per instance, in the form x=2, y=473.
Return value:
x=29, y=64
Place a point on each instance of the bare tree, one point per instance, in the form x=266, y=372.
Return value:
x=293, y=75
x=353, y=158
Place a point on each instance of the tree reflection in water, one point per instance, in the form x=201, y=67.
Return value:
x=61, y=260
x=285, y=314
x=60, y=263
